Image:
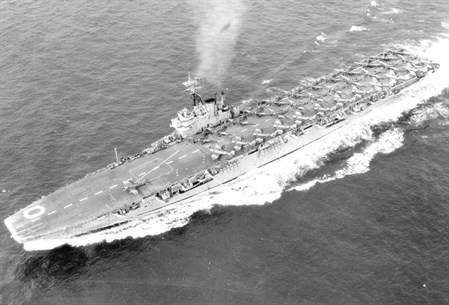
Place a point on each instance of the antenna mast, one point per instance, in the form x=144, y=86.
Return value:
x=193, y=85
x=116, y=155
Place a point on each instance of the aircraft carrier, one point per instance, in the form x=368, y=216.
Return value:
x=214, y=142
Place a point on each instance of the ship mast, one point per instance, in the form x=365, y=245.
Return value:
x=193, y=85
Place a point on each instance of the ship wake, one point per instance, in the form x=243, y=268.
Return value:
x=265, y=185
x=360, y=162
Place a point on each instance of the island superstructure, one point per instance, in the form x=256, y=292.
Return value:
x=214, y=142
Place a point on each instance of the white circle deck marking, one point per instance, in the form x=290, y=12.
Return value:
x=34, y=212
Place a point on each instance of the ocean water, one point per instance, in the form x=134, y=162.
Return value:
x=362, y=218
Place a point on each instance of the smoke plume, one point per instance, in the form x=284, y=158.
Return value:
x=219, y=23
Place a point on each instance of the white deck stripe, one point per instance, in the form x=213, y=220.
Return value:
x=85, y=198
x=170, y=156
x=97, y=193
x=169, y=162
x=194, y=152
x=220, y=140
x=111, y=187
x=267, y=120
x=141, y=174
x=18, y=227
x=69, y=205
x=163, y=162
x=35, y=219
x=51, y=213
x=244, y=130
x=182, y=157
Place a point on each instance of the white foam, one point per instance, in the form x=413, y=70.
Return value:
x=442, y=110
x=429, y=113
x=374, y=3
x=322, y=37
x=381, y=20
x=445, y=24
x=266, y=81
x=393, y=11
x=356, y=28
x=265, y=185
x=423, y=115
x=359, y=163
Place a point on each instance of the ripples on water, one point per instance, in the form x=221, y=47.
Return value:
x=364, y=224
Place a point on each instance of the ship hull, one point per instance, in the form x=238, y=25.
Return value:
x=289, y=144
x=146, y=184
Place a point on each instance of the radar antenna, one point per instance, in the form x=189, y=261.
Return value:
x=193, y=85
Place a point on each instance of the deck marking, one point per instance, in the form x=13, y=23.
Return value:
x=170, y=157
x=69, y=205
x=18, y=227
x=31, y=226
x=97, y=193
x=182, y=157
x=35, y=219
x=163, y=162
x=51, y=213
x=169, y=162
x=133, y=171
x=220, y=140
x=267, y=120
x=85, y=198
x=111, y=187
x=244, y=130
x=28, y=213
x=195, y=151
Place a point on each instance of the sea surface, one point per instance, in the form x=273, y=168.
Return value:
x=361, y=219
